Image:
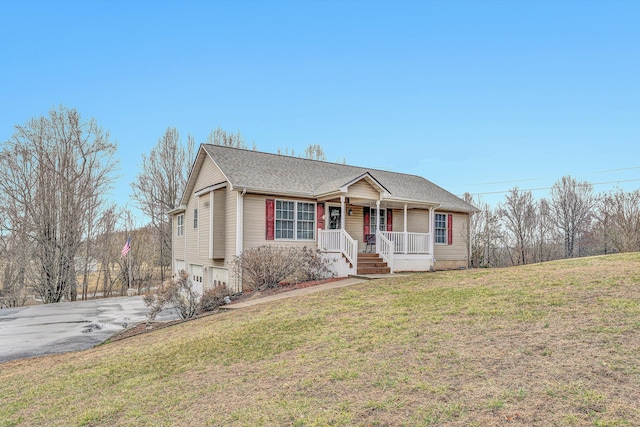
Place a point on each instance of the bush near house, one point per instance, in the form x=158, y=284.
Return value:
x=214, y=298
x=264, y=267
x=177, y=293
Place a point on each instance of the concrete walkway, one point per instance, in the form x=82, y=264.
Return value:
x=294, y=293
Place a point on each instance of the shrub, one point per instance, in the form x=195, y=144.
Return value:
x=312, y=266
x=177, y=293
x=264, y=267
x=214, y=298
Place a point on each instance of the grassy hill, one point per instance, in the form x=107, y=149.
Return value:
x=548, y=344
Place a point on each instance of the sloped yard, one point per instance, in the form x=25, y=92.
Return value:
x=549, y=344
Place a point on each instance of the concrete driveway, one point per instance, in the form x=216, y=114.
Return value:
x=68, y=326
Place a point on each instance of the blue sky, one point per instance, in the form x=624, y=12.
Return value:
x=476, y=96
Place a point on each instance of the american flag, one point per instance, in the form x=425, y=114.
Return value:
x=126, y=248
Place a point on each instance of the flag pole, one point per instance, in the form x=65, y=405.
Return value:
x=129, y=259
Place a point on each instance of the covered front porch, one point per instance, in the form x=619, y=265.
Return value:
x=399, y=232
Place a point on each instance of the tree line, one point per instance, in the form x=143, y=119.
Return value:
x=60, y=235
x=573, y=221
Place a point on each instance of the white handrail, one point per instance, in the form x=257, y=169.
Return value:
x=409, y=243
x=339, y=241
x=385, y=248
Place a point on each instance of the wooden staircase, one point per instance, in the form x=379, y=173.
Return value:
x=372, y=264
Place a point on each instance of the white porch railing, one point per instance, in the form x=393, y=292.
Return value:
x=339, y=241
x=409, y=243
x=385, y=248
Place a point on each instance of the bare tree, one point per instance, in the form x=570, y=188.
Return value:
x=315, y=152
x=543, y=241
x=312, y=152
x=485, y=235
x=220, y=136
x=620, y=220
x=572, y=204
x=518, y=216
x=160, y=183
x=14, y=262
x=53, y=171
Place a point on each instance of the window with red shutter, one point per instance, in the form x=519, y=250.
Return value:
x=320, y=216
x=270, y=221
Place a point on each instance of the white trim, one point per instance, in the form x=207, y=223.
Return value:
x=370, y=180
x=327, y=207
x=211, y=199
x=342, y=212
x=239, y=220
x=180, y=226
x=295, y=220
x=210, y=188
x=435, y=237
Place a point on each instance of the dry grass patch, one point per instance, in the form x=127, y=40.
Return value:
x=549, y=344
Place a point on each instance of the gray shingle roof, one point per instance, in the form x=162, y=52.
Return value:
x=273, y=173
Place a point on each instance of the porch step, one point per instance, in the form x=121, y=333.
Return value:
x=372, y=264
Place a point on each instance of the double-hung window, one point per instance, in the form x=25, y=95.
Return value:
x=306, y=221
x=295, y=220
x=441, y=228
x=285, y=219
x=383, y=220
x=180, y=225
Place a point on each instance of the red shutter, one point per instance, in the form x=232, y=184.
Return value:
x=389, y=220
x=367, y=223
x=270, y=225
x=320, y=215
x=450, y=229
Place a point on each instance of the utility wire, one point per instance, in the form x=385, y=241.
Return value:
x=549, y=188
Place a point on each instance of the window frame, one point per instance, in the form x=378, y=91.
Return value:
x=443, y=229
x=195, y=218
x=295, y=220
x=372, y=220
x=180, y=225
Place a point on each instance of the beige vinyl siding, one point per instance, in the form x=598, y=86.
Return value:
x=196, y=241
x=417, y=219
x=209, y=174
x=191, y=234
x=178, y=242
x=255, y=217
x=363, y=190
x=458, y=250
x=219, y=218
x=354, y=225
x=231, y=202
x=202, y=231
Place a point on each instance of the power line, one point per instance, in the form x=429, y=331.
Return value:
x=618, y=170
x=549, y=188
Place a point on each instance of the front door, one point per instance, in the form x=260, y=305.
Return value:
x=335, y=220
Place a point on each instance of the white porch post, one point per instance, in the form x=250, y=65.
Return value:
x=377, y=223
x=405, y=229
x=342, y=222
x=432, y=228
x=342, y=219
